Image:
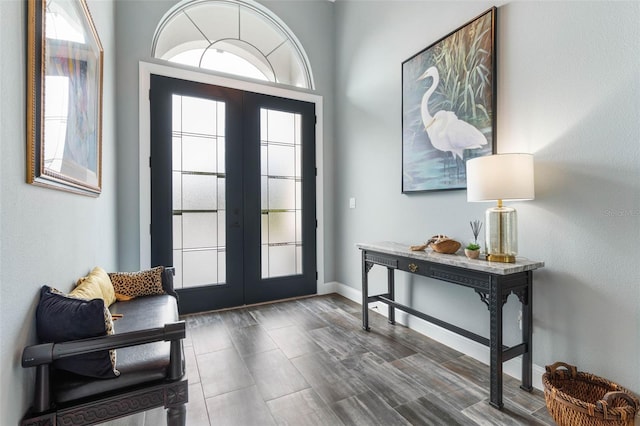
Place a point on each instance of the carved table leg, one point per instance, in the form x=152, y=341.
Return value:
x=365, y=292
x=391, y=289
x=527, y=334
x=495, y=331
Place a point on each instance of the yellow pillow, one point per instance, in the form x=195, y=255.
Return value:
x=96, y=285
x=123, y=297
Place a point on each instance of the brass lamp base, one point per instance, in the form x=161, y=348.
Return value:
x=504, y=258
x=501, y=241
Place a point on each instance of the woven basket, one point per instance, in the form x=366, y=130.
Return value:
x=579, y=399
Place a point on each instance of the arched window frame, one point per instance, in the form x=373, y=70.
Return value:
x=238, y=44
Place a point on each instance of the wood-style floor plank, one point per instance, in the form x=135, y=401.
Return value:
x=241, y=407
x=237, y=318
x=451, y=388
x=251, y=340
x=293, y=341
x=431, y=410
x=367, y=409
x=207, y=334
x=388, y=382
x=483, y=414
x=197, y=414
x=336, y=342
x=271, y=316
x=274, y=374
x=303, y=408
x=191, y=365
x=332, y=381
x=308, y=362
x=223, y=371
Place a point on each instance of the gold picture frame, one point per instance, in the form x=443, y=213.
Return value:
x=64, y=97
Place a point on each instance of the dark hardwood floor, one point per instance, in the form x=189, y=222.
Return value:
x=308, y=362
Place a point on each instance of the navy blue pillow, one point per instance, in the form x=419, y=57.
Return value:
x=60, y=318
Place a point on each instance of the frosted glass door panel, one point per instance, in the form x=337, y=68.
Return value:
x=176, y=183
x=199, y=116
x=199, y=154
x=282, y=160
x=177, y=232
x=280, y=153
x=199, y=230
x=176, y=158
x=282, y=260
x=221, y=164
x=281, y=193
x=198, y=191
x=279, y=126
x=282, y=227
x=199, y=268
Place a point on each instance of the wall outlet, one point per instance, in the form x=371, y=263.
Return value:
x=352, y=203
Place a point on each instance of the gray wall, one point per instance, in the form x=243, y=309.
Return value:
x=568, y=92
x=136, y=24
x=46, y=236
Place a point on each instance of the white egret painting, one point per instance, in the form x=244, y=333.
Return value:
x=448, y=107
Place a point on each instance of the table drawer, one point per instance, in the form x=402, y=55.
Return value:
x=382, y=260
x=460, y=276
x=414, y=266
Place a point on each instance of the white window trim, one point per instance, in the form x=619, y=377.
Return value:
x=145, y=71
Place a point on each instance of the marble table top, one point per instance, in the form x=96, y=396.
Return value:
x=458, y=259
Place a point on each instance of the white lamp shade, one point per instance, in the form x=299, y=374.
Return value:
x=500, y=177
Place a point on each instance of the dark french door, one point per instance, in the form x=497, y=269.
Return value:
x=232, y=193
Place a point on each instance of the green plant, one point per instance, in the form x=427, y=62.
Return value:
x=473, y=246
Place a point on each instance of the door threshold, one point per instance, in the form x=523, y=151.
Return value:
x=270, y=302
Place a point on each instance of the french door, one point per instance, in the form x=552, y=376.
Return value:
x=232, y=193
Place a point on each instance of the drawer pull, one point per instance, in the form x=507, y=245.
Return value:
x=413, y=267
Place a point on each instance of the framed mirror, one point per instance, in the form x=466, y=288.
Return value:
x=64, y=97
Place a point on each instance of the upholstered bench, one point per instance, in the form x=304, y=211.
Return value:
x=91, y=380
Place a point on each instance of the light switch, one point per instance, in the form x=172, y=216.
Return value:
x=352, y=203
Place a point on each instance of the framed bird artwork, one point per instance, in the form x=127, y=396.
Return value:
x=448, y=106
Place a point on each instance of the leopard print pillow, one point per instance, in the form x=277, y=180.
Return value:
x=134, y=284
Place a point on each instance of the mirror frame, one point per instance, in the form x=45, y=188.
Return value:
x=78, y=167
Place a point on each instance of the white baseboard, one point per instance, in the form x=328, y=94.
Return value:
x=468, y=347
x=328, y=288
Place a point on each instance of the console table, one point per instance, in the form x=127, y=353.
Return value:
x=491, y=280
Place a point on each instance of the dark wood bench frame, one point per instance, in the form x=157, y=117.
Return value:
x=172, y=392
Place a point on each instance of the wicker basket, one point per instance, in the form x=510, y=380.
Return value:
x=580, y=399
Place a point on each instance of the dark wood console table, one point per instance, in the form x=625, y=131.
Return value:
x=491, y=280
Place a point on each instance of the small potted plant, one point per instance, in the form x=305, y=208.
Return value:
x=472, y=250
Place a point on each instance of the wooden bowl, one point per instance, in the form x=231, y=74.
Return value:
x=445, y=245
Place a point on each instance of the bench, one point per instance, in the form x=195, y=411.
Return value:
x=149, y=358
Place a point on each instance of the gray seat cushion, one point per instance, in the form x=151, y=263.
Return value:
x=137, y=364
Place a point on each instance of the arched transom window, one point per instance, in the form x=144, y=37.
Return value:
x=238, y=37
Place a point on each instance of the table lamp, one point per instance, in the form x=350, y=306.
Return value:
x=497, y=178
